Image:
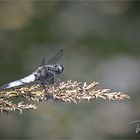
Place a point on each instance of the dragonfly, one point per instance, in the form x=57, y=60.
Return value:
x=45, y=74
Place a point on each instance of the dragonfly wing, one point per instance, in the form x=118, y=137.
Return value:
x=42, y=62
x=56, y=57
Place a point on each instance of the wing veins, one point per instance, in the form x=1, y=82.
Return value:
x=56, y=57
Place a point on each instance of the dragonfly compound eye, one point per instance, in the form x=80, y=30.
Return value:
x=59, y=68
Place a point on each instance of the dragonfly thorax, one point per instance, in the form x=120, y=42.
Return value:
x=48, y=71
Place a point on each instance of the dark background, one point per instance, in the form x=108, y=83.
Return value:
x=101, y=42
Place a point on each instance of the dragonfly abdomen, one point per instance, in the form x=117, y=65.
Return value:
x=22, y=81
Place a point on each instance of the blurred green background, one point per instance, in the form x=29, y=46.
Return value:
x=101, y=42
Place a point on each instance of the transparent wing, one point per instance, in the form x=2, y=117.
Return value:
x=56, y=57
x=42, y=62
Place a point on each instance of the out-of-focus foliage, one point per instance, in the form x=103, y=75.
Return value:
x=101, y=43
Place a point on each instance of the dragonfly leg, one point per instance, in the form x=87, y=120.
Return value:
x=47, y=95
x=43, y=83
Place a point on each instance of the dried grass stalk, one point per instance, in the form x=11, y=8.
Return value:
x=65, y=91
x=8, y=106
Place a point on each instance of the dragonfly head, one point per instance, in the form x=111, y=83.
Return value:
x=58, y=68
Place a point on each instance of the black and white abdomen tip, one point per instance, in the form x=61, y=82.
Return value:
x=22, y=81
